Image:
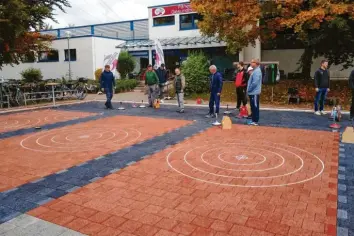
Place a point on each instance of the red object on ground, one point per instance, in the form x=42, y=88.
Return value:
x=199, y=101
x=335, y=126
x=243, y=112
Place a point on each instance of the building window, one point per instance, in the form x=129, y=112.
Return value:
x=189, y=21
x=72, y=55
x=48, y=56
x=162, y=21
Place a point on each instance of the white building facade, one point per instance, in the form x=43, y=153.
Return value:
x=174, y=25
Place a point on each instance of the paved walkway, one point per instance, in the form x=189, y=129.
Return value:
x=156, y=172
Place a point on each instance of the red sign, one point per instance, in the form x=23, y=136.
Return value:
x=172, y=10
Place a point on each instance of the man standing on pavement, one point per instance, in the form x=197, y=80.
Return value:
x=162, y=74
x=254, y=89
x=322, y=79
x=180, y=85
x=107, y=85
x=152, y=81
x=216, y=83
x=351, y=86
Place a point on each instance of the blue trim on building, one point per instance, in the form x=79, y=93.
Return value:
x=58, y=33
x=132, y=26
x=170, y=4
x=92, y=29
x=83, y=26
x=97, y=36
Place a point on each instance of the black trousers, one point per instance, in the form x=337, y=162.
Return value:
x=241, y=97
x=352, y=107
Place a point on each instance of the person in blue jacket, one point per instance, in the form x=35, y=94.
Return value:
x=215, y=91
x=107, y=85
x=254, y=89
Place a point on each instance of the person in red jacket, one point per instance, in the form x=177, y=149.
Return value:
x=241, y=85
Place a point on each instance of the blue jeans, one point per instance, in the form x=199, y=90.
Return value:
x=320, y=98
x=109, y=96
x=254, y=102
x=214, y=99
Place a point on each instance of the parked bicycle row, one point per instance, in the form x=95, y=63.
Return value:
x=15, y=93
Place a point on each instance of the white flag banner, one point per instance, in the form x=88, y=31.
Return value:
x=159, y=57
x=112, y=61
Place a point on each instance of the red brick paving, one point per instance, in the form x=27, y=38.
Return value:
x=37, y=118
x=20, y=165
x=164, y=202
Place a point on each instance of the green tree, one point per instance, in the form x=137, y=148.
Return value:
x=126, y=64
x=196, y=71
x=32, y=75
x=18, y=21
x=324, y=27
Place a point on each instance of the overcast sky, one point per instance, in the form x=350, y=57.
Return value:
x=83, y=12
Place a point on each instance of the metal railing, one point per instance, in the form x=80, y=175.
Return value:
x=50, y=95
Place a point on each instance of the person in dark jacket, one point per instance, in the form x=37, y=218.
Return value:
x=107, y=85
x=216, y=83
x=162, y=74
x=351, y=86
x=241, y=80
x=322, y=83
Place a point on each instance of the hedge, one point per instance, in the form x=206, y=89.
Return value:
x=125, y=85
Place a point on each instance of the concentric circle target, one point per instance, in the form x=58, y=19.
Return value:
x=79, y=139
x=246, y=164
x=32, y=119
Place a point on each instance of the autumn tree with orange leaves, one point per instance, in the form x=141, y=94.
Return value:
x=324, y=27
x=19, y=20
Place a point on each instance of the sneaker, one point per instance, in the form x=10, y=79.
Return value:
x=210, y=116
x=162, y=101
x=318, y=113
x=252, y=123
x=181, y=111
x=323, y=113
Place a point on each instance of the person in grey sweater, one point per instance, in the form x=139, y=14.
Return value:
x=254, y=89
x=180, y=85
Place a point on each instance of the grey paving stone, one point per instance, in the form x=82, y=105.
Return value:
x=62, y=171
x=24, y=220
x=342, y=214
x=72, y=189
x=5, y=227
x=341, y=177
x=131, y=163
x=71, y=233
x=342, y=231
x=342, y=187
x=342, y=199
x=341, y=155
x=341, y=150
x=37, y=180
x=341, y=168
x=95, y=179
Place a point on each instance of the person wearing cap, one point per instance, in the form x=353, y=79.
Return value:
x=162, y=74
x=254, y=89
x=152, y=81
x=107, y=83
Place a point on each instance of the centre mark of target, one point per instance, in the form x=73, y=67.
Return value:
x=84, y=136
x=241, y=157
